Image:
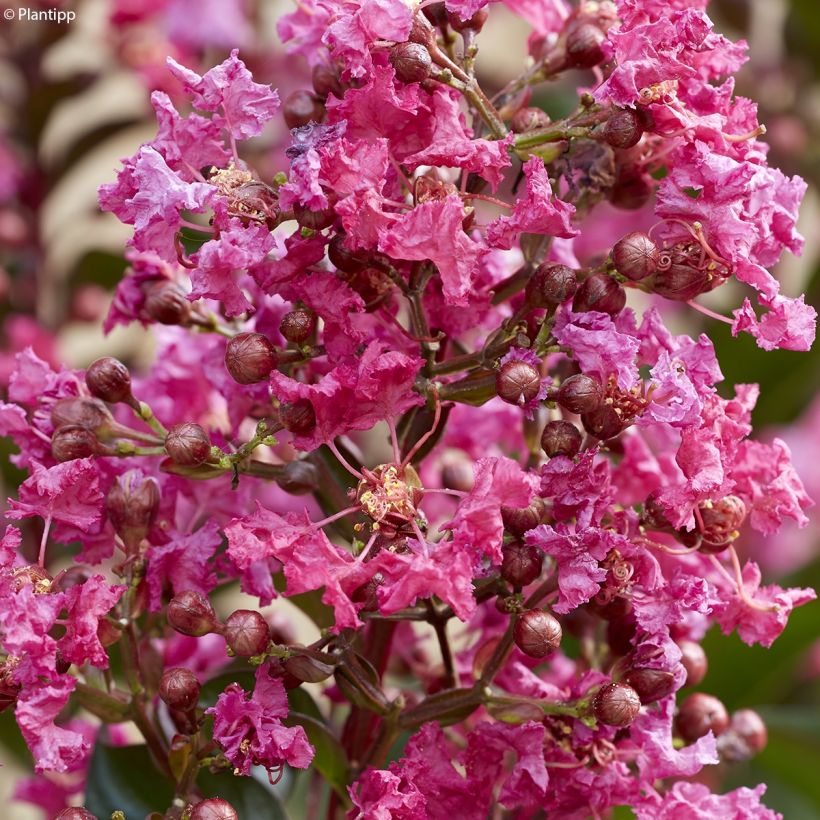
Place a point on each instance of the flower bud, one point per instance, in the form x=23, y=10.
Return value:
x=599, y=292
x=529, y=119
x=616, y=704
x=721, y=520
x=214, y=808
x=179, y=688
x=694, y=661
x=89, y=413
x=623, y=129
x=518, y=520
x=521, y=563
x=307, y=669
x=457, y=472
x=699, y=714
x=344, y=259
x=325, y=81
x=746, y=737
x=681, y=282
x=411, y=62
x=636, y=256
x=584, y=44
x=301, y=108
x=650, y=684
x=247, y=633
x=298, y=325
x=166, y=303
x=561, y=438
x=654, y=515
x=132, y=504
x=108, y=379
x=537, y=633
x=315, y=220
x=631, y=190
x=299, y=417
x=603, y=423
x=476, y=22
x=249, y=358
x=299, y=478
x=75, y=813
x=191, y=613
x=436, y=13
x=73, y=441
x=580, y=394
x=550, y=285
x=517, y=382
x=188, y=445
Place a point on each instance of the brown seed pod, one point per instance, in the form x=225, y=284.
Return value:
x=537, y=633
x=249, y=358
x=636, y=256
x=616, y=704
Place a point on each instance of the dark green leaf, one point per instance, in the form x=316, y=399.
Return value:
x=251, y=799
x=330, y=759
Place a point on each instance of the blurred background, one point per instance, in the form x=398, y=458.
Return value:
x=74, y=100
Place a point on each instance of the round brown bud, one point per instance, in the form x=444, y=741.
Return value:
x=654, y=515
x=721, y=520
x=297, y=326
x=537, y=633
x=650, y=684
x=75, y=813
x=411, y=62
x=561, y=438
x=73, y=441
x=476, y=22
x=457, y=472
x=599, y=292
x=108, y=379
x=746, y=736
x=301, y=108
x=315, y=220
x=521, y=563
x=623, y=129
x=550, y=285
x=249, y=358
x=616, y=704
x=584, y=44
x=214, y=808
x=518, y=520
x=694, y=661
x=603, y=423
x=179, y=688
x=132, y=505
x=191, y=613
x=344, y=259
x=166, y=303
x=517, y=382
x=188, y=445
x=681, y=282
x=636, y=256
x=529, y=119
x=299, y=478
x=698, y=714
x=247, y=633
x=89, y=413
x=631, y=190
x=298, y=417
x=325, y=80
x=580, y=394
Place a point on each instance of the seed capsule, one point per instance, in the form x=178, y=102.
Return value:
x=247, y=633
x=188, y=445
x=517, y=382
x=694, y=661
x=108, y=379
x=603, y=423
x=699, y=714
x=297, y=326
x=179, y=688
x=529, y=119
x=411, y=62
x=299, y=417
x=132, y=505
x=599, y=292
x=636, y=256
x=551, y=285
x=518, y=520
x=561, y=438
x=584, y=44
x=537, y=633
x=249, y=358
x=623, y=129
x=325, y=80
x=650, y=684
x=616, y=704
x=214, y=808
x=298, y=478
x=521, y=563
x=89, y=413
x=73, y=441
x=166, y=303
x=191, y=613
x=580, y=394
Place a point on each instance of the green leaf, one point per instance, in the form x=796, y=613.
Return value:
x=330, y=760
x=125, y=778
x=299, y=700
x=251, y=799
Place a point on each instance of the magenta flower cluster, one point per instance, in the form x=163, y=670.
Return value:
x=421, y=382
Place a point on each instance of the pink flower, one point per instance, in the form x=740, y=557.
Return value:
x=537, y=211
x=382, y=795
x=694, y=800
x=229, y=88
x=790, y=324
x=250, y=730
x=68, y=492
x=433, y=231
x=87, y=604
